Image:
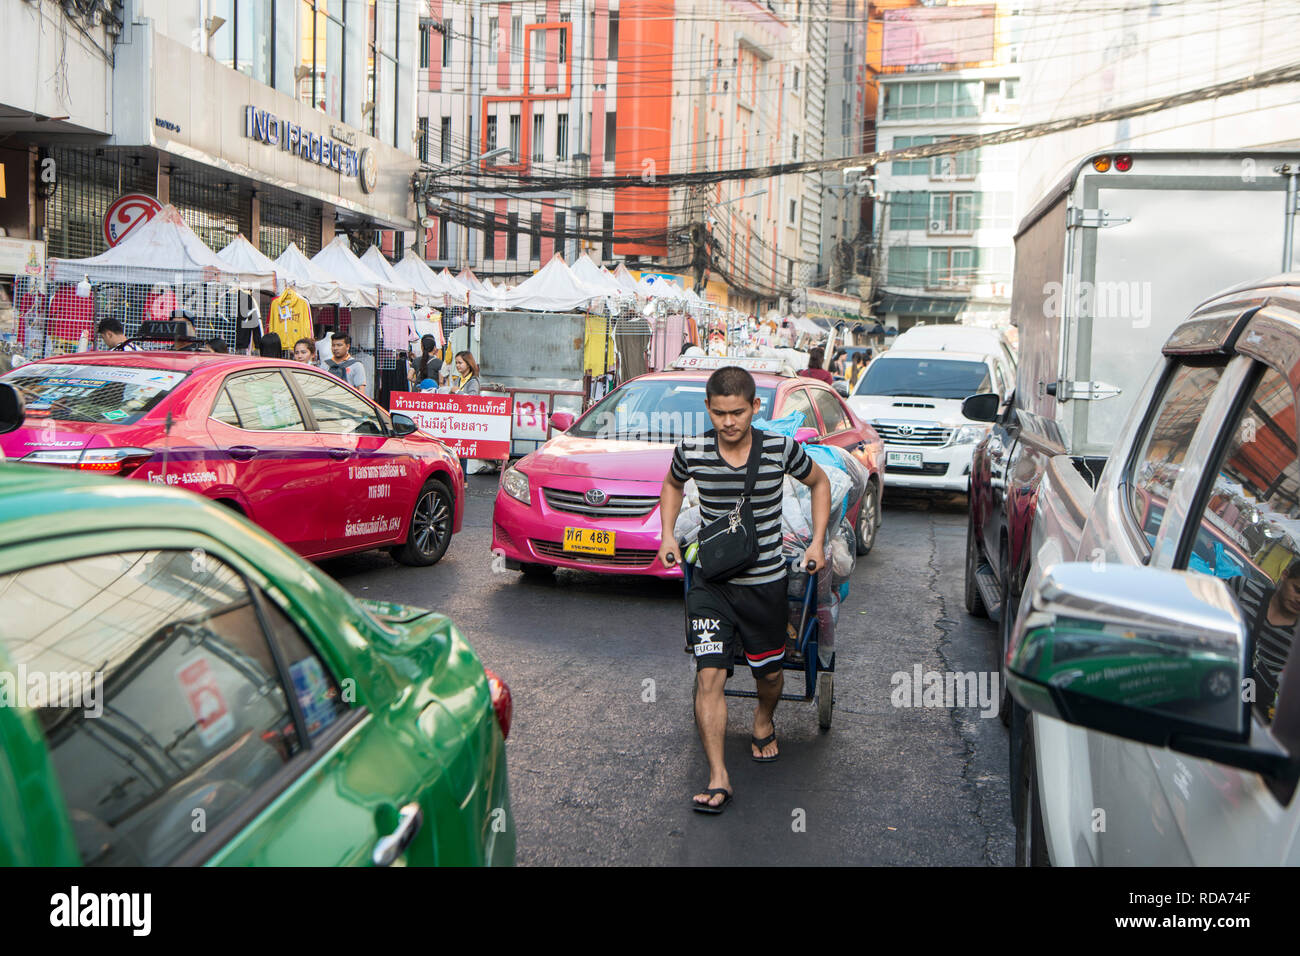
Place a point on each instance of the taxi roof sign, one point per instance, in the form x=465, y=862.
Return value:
x=774, y=366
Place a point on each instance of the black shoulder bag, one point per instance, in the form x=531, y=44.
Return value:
x=729, y=545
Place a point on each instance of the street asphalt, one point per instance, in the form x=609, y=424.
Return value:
x=603, y=752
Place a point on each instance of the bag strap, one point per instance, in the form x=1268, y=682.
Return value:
x=755, y=456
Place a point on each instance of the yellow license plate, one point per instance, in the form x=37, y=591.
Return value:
x=588, y=541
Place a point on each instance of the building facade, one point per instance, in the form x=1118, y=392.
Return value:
x=944, y=234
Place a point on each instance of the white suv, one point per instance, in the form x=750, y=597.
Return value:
x=913, y=397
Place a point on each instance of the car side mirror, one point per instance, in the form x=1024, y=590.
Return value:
x=803, y=435
x=403, y=425
x=982, y=407
x=561, y=421
x=1154, y=656
x=12, y=413
x=842, y=387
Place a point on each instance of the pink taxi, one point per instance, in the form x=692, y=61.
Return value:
x=589, y=498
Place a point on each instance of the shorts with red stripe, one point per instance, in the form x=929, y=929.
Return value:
x=720, y=614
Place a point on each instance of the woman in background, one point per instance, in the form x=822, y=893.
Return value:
x=467, y=384
x=304, y=350
x=270, y=346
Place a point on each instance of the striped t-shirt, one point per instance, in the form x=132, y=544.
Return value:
x=720, y=485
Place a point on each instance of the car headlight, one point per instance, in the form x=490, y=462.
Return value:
x=515, y=483
x=969, y=434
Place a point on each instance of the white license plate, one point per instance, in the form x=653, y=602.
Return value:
x=907, y=459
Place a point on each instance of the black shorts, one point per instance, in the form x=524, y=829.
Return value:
x=720, y=613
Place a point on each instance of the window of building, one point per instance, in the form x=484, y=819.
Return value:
x=796, y=78
x=446, y=43
x=954, y=165
x=846, y=115
x=512, y=236
x=562, y=137
x=564, y=39
x=789, y=272
x=425, y=40
x=952, y=268
x=911, y=167
x=952, y=212
x=422, y=136
x=321, y=74
x=607, y=236
x=516, y=39
x=539, y=137
x=794, y=147
x=561, y=238
x=493, y=38
x=443, y=251
x=515, y=155
x=908, y=210
x=794, y=208
x=931, y=99
x=613, y=34
x=993, y=210
x=490, y=142
x=535, y=239
x=611, y=137
x=489, y=240
x=908, y=266
x=444, y=142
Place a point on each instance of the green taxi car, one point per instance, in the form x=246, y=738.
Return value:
x=176, y=687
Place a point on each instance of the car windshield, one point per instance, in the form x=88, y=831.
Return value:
x=925, y=378
x=666, y=410
x=103, y=394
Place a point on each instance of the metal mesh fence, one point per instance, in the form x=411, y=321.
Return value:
x=89, y=182
x=285, y=221
x=217, y=212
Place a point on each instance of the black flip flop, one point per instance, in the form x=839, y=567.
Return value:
x=760, y=744
x=706, y=808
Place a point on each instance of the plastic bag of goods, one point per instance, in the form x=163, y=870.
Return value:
x=843, y=553
x=830, y=457
x=687, y=528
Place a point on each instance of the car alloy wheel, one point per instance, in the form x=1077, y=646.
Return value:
x=868, y=512
x=429, y=533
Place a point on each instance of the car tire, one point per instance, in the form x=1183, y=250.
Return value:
x=1010, y=605
x=531, y=570
x=1031, y=839
x=974, y=603
x=1218, y=684
x=429, y=529
x=868, y=519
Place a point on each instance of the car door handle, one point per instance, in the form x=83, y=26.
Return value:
x=390, y=847
x=340, y=454
x=242, y=452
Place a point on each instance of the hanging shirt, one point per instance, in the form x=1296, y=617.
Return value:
x=289, y=317
x=395, y=327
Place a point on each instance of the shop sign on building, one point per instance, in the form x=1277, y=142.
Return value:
x=266, y=127
x=19, y=257
x=126, y=213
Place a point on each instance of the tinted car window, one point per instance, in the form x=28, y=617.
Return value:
x=259, y=401
x=796, y=403
x=159, y=697
x=1159, y=461
x=925, y=378
x=336, y=409
x=1249, y=533
x=106, y=394
x=833, y=416
x=666, y=410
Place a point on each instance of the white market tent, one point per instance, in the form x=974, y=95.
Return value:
x=553, y=288
x=242, y=256
x=469, y=280
x=339, y=262
x=163, y=250
x=654, y=288
x=416, y=272
x=625, y=278
x=593, y=275
x=403, y=292
x=311, y=282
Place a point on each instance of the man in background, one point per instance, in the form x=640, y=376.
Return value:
x=342, y=365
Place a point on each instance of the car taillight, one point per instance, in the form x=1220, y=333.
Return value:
x=502, y=703
x=103, y=461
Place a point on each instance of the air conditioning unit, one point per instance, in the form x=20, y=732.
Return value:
x=937, y=225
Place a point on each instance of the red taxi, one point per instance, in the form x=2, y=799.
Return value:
x=589, y=498
x=311, y=460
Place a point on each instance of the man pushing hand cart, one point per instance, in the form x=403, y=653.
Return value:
x=738, y=593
